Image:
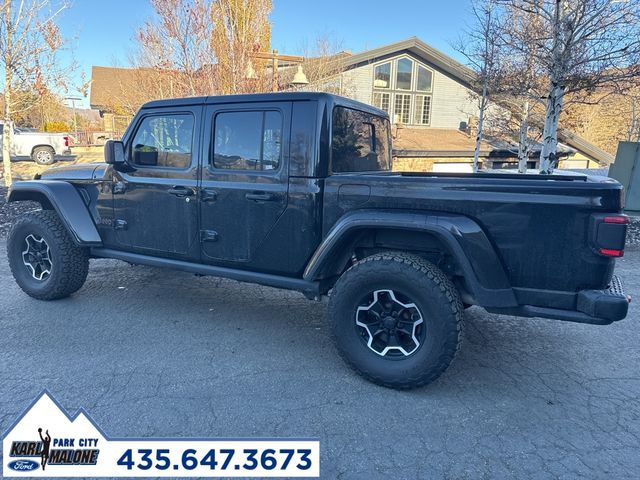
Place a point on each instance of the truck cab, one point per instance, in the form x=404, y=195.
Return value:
x=239, y=176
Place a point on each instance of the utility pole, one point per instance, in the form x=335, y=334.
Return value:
x=75, y=119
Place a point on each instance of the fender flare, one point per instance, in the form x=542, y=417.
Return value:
x=68, y=204
x=484, y=274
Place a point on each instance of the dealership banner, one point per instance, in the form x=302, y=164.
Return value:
x=45, y=441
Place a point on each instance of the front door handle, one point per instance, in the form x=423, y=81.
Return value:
x=260, y=196
x=179, y=191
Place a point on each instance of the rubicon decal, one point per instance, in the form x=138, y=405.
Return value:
x=46, y=441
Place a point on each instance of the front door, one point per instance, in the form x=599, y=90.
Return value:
x=156, y=208
x=244, y=179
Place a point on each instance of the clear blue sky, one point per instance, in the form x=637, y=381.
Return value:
x=102, y=32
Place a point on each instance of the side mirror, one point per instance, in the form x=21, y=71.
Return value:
x=114, y=152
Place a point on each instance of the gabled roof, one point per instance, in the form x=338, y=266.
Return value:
x=444, y=62
x=119, y=87
x=108, y=83
x=585, y=147
x=409, y=139
x=446, y=142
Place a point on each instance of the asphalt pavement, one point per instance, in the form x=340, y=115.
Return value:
x=156, y=353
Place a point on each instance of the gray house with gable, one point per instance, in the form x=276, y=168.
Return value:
x=429, y=96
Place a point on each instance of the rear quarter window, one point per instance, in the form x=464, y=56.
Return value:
x=360, y=142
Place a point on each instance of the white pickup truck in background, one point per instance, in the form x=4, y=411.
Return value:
x=40, y=146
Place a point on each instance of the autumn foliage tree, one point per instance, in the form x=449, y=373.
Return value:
x=30, y=42
x=200, y=47
x=241, y=29
x=174, y=49
x=606, y=116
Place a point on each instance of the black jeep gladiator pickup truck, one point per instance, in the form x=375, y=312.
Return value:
x=296, y=190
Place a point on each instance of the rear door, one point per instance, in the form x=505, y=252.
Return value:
x=244, y=178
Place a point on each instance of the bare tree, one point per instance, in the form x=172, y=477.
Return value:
x=175, y=44
x=324, y=58
x=323, y=66
x=29, y=43
x=198, y=47
x=523, y=85
x=481, y=46
x=582, y=45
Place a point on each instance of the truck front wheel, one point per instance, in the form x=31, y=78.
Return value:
x=396, y=319
x=43, y=258
x=43, y=155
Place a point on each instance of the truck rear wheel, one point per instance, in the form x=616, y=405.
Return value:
x=43, y=258
x=43, y=155
x=396, y=319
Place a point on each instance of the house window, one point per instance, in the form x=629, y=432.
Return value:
x=403, y=75
x=424, y=79
x=422, y=110
x=402, y=107
x=381, y=100
x=402, y=87
x=382, y=76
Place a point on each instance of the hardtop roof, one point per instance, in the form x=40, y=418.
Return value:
x=330, y=99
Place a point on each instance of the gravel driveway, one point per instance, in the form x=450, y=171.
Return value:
x=156, y=353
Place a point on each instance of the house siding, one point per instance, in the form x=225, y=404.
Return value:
x=451, y=103
x=357, y=83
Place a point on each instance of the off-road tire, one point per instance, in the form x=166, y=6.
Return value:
x=436, y=298
x=43, y=155
x=70, y=263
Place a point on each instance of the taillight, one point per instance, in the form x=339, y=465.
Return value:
x=608, y=233
x=66, y=141
x=610, y=252
x=619, y=219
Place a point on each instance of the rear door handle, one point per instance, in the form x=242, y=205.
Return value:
x=260, y=197
x=179, y=191
x=208, y=195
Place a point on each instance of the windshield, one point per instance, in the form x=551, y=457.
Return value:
x=360, y=142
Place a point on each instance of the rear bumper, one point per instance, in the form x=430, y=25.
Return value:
x=610, y=304
x=597, y=307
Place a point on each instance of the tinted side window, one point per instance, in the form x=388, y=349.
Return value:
x=359, y=142
x=164, y=141
x=247, y=140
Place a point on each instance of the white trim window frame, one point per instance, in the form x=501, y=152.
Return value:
x=386, y=96
x=383, y=100
x=422, y=110
x=402, y=107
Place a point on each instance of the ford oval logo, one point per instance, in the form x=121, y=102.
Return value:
x=23, y=465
